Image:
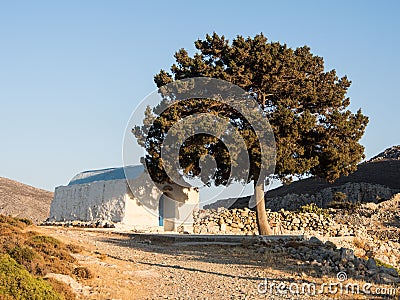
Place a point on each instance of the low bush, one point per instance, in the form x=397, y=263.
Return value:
x=83, y=272
x=340, y=201
x=62, y=288
x=340, y=197
x=30, y=259
x=23, y=254
x=8, y=220
x=35, y=255
x=25, y=220
x=349, y=206
x=52, y=251
x=313, y=208
x=45, y=240
x=17, y=283
x=74, y=248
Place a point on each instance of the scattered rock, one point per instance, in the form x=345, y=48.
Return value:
x=316, y=241
x=371, y=264
x=384, y=278
x=346, y=254
x=390, y=271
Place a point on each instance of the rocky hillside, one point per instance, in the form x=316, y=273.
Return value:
x=392, y=153
x=24, y=201
x=375, y=180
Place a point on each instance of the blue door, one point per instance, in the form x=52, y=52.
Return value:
x=161, y=211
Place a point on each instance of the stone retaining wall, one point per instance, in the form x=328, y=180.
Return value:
x=243, y=221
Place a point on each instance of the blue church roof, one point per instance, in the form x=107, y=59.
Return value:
x=131, y=172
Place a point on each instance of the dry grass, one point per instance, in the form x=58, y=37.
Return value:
x=360, y=243
x=62, y=288
x=112, y=278
x=39, y=254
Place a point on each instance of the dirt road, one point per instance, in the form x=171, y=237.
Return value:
x=130, y=268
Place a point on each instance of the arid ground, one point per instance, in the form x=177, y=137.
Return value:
x=131, y=267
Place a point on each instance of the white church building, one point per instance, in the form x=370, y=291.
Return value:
x=125, y=196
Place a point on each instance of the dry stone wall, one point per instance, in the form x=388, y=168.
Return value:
x=243, y=221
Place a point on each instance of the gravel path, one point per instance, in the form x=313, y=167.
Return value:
x=184, y=271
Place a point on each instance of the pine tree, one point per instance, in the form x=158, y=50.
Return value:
x=306, y=106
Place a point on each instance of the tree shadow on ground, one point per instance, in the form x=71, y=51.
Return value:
x=290, y=257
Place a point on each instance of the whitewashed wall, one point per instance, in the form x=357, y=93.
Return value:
x=101, y=200
x=114, y=200
x=180, y=213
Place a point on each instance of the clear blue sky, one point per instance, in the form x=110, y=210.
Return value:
x=72, y=72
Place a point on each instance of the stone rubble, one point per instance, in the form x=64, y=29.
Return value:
x=327, y=259
x=372, y=231
x=81, y=224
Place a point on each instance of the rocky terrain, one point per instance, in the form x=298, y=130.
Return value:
x=136, y=266
x=372, y=230
x=375, y=180
x=392, y=153
x=23, y=201
x=357, y=247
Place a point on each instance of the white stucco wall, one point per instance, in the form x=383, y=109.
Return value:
x=133, y=205
x=101, y=200
x=180, y=213
x=137, y=214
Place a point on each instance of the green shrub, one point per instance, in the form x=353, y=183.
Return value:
x=30, y=259
x=22, y=254
x=17, y=283
x=51, y=248
x=382, y=264
x=74, y=248
x=56, y=260
x=8, y=220
x=36, y=255
x=340, y=201
x=313, y=208
x=45, y=240
x=349, y=206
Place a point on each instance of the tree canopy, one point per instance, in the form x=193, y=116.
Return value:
x=307, y=107
x=219, y=140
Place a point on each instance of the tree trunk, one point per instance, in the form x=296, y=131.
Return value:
x=262, y=221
